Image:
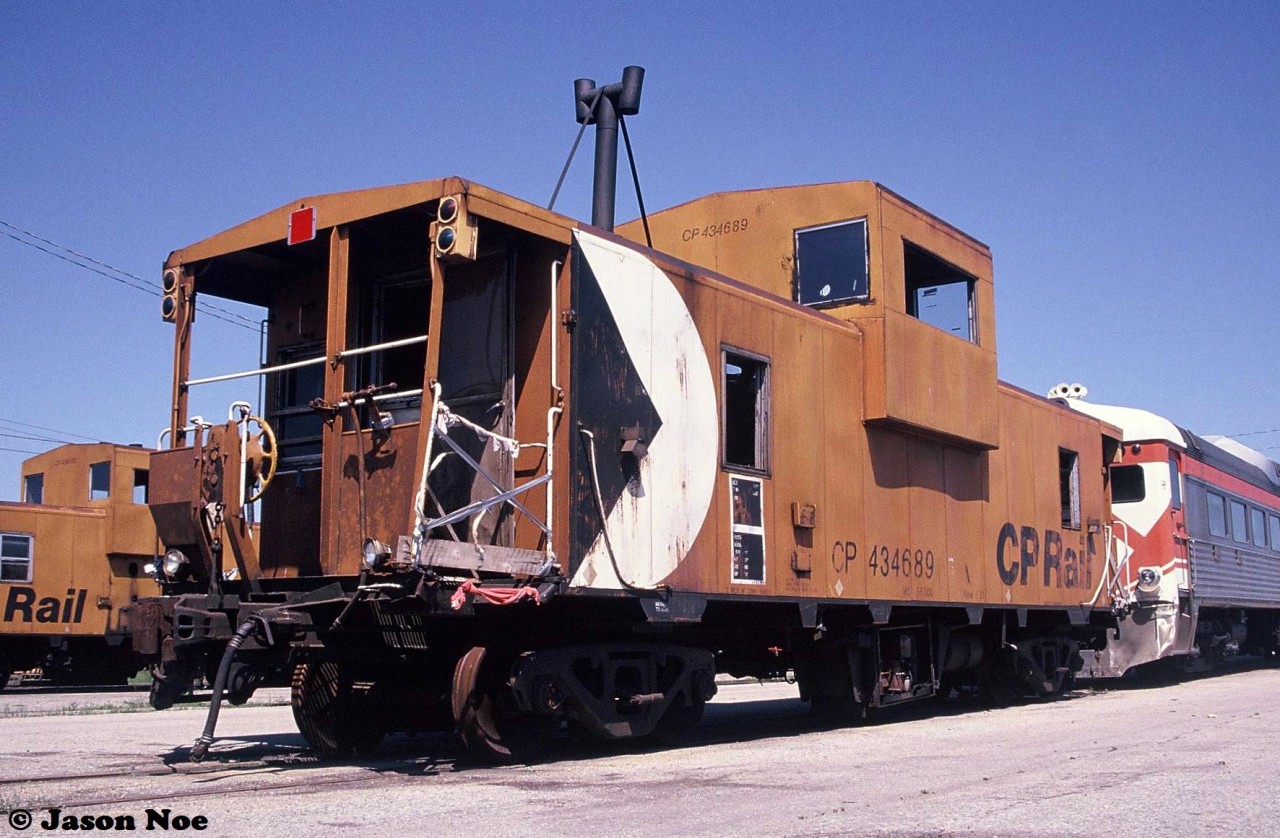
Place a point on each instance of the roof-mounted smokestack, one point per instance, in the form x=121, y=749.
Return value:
x=602, y=106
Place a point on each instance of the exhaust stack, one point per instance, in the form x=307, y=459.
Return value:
x=602, y=106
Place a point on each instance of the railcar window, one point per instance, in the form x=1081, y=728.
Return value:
x=141, y=477
x=1274, y=525
x=1258, y=527
x=99, y=481
x=33, y=488
x=1239, y=527
x=746, y=412
x=1175, y=483
x=1217, y=515
x=1127, y=484
x=1069, y=487
x=938, y=293
x=297, y=426
x=15, y=557
x=831, y=264
x=394, y=308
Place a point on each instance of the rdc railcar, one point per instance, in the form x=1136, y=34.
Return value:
x=515, y=470
x=1198, y=546
x=73, y=560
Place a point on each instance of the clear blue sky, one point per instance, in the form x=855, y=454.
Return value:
x=1119, y=158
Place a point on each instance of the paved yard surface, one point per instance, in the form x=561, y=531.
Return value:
x=1200, y=757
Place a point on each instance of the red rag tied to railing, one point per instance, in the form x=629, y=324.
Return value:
x=493, y=596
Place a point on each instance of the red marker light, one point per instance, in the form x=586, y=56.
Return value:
x=302, y=225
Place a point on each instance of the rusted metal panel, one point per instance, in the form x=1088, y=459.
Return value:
x=916, y=376
x=455, y=555
x=387, y=462
x=335, y=381
x=907, y=509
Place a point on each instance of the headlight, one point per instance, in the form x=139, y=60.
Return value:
x=375, y=554
x=1148, y=580
x=174, y=565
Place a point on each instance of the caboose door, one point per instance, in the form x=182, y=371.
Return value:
x=475, y=375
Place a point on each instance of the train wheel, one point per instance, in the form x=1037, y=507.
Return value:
x=491, y=726
x=333, y=711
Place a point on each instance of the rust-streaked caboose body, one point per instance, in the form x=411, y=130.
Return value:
x=774, y=441
x=72, y=563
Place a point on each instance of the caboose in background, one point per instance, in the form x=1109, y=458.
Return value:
x=514, y=469
x=73, y=560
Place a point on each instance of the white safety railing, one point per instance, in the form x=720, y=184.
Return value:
x=441, y=421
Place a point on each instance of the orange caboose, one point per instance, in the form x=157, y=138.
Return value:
x=73, y=558
x=514, y=469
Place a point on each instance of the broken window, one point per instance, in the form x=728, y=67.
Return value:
x=831, y=264
x=1069, y=487
x=939, y=293
x=33, y=488
x=99, y=481
x=746, y=411
x=15, y=557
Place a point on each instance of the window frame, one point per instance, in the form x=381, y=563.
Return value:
x=1069, y=489
x=797, y=289
x=96, y=494
x=1129, y=468
x=1241, y=537
x=1223, y=519
x=29, y=559
x=27, y=481
x=141, y=480
x=914, y=286
x=282, y=412
x=1175, y=484
x=1258, y=526
x=763, y=413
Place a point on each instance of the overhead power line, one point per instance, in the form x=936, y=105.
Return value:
x=115, y=274
x=32, y=438
x=1255, y=433
x=50, y=430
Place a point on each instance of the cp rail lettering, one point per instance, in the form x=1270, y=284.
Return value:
x=22, y=606
x=1020, y=550
x=903, y=562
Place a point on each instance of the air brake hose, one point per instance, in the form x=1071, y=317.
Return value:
x=201, y=747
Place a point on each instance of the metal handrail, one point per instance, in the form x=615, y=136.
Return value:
x=320, y=359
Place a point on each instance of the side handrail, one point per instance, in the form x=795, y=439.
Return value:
x=197, y=423
x=320, y=359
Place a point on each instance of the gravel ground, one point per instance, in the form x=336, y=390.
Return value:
x=1195, y=757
